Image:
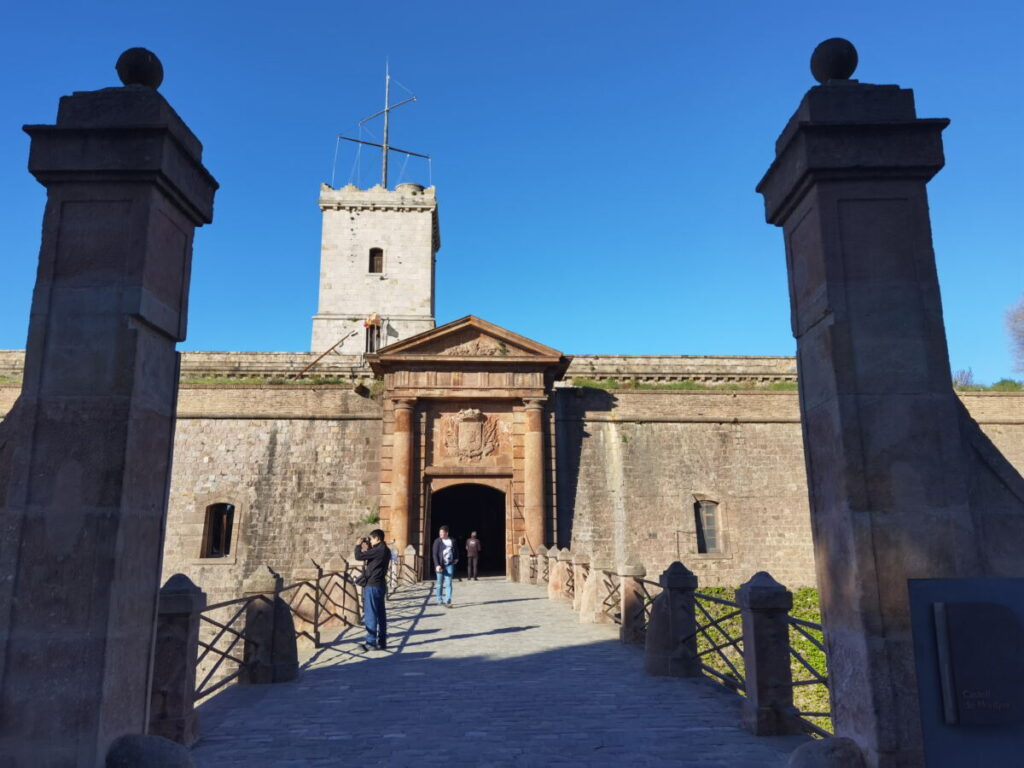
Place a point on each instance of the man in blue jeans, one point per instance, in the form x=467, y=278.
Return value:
x=446, y=556
x=377, y=556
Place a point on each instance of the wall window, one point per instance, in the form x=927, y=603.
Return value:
x=372, y=338
x=220, y=519
x=708, y=523
x=376, y=260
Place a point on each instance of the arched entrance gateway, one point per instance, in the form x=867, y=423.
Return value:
x=469, y=507
x=468, y=436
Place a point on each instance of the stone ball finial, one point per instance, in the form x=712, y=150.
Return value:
x=833, y=59
x=138, y=66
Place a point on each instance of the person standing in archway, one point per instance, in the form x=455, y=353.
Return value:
x=446, y=556
x=473, y=547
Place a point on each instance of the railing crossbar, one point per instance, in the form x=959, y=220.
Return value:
x=731, y=682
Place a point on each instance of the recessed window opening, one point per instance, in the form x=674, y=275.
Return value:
x=707, y=520
x=376, y=260
x=220, y=519
x=372, y=338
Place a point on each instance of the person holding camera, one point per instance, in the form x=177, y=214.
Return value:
x=445, y=555
x=377, y=556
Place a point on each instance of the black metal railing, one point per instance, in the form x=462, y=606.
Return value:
x=222, y=643
x=810, y=694
x=720, y=639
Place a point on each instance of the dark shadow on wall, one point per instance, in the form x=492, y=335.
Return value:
x=571, y=407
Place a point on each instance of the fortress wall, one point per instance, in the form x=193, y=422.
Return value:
x=300, y=465
x=630, y=463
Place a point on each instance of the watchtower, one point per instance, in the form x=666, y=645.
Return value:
x=376, y=266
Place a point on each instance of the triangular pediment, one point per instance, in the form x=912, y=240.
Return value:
x=468, y=337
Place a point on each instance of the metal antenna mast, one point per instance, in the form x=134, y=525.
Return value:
x=385, y=147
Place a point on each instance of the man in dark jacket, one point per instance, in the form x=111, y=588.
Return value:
x=446, y=555
x=377, y=556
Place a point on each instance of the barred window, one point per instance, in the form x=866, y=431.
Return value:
x=706, y=518
x=372, y=338
x=217, y=530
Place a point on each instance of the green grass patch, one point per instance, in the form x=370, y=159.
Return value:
x=1003, y=385
x=6, y=381
x=686, y=384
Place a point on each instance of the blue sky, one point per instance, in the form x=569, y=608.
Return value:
x=595, y=161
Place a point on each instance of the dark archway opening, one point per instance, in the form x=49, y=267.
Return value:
x=467, y=508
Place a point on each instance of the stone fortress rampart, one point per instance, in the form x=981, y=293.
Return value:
x=300, y=462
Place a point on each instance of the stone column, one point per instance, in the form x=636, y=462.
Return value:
x=172, y=712
x=401, y=472
x=580, y=569
x=533, y=473
x=631, y=605
x=554, y=574
x=670, y=648
x=888, y=467
x=86, y=496
x=410, y=566
x=768, y=706
x=592, y=599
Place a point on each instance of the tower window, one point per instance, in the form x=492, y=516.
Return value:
x=376, y=260
x=372, y=338
x=708, y=523
x=217, y=530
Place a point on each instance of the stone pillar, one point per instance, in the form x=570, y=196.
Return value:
x=631, y=605
x=86, y=495
x=533, y=473
x=888, y=468
x=670, y=648
x=401, y=472
x=304, y=602
x=172, y=712
x=271, y=653
x=351, y=598
x=768, y=706
x=541, y=578
x=565, y=571
x=410, y=566
x=527, y=566
x=554, y=574
x=592, y=599
x=580, y=569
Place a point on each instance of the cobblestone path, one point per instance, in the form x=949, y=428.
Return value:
x=505, y=678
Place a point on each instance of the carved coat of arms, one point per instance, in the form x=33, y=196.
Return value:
x=470, y=434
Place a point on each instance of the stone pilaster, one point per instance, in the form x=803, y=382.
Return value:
x=533, y=473
x=401, y=472
x=83, y=518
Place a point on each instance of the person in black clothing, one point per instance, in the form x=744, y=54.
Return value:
x=377, y=556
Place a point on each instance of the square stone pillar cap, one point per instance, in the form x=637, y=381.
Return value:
x=763, y=593
x=635, y=570
x=410, y=550
x=581, y=559
x=678, y=576
x=542, y=551
x=180, y=595
x=553, y=553
x=565, y=556
x=262, y=582
x=525, y=551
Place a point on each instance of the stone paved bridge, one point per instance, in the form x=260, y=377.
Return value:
x=505, y=678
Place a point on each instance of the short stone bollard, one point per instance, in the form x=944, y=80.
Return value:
x=333, y=594
x=271, y=654
x=631, y=626
x=527, y=566
x=566, y=576
x=541, y=579
x=670, y=648
x=580, y=569
x=512, y=568
x=172, y=712
x=768, y=706
x=304, y=606
x=554, y=574
x=592, y=600
x=352, y=608
x=410, y=566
